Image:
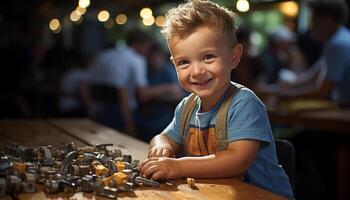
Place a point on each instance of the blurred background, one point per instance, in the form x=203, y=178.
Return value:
x=48, y=46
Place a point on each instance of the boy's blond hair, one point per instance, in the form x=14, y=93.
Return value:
x=192, y=14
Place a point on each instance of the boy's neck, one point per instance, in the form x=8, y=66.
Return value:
x=207, y=105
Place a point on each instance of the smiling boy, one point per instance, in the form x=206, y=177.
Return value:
x=204, y=50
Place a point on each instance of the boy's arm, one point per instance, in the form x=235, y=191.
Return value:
x=162, y=145
x=229, y=163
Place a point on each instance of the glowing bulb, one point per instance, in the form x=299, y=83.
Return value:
x=146, y=13
x=57, y=30
x=80, y=10
x=242, y=5
x=74, y=16
x=121, y=19
x=148, y=21
x=160, y=20
x=103, y=15
x=84, y=3
x=54, y=24
x=289, y=8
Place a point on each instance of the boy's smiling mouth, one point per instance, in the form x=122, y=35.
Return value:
x=202, y=82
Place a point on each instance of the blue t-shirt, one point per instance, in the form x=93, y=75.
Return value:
x=247, y=119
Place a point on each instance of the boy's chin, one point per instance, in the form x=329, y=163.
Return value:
x=204, y=95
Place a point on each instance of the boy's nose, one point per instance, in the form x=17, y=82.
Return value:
x=198, y=69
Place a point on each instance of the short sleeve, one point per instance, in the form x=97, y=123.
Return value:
x=173, y=129
x=248, y=120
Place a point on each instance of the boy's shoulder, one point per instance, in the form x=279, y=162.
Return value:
x=245, y=93
x=242, y=95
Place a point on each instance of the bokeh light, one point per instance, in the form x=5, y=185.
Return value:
x=103, y=16
x=121, y=19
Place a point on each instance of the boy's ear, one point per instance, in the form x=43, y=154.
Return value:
x=236, y=55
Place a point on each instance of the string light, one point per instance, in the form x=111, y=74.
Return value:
x=242, y=5
x=74, y=16
x=289, y=8
x=84, y=3
x=121, y=19
x=146, y=13
x=54, y=24
x=103, y=16
x=148, y=21
x=160, y=21
x=80, y=10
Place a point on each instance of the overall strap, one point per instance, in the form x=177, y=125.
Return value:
x=188, y=108
x=221, y=117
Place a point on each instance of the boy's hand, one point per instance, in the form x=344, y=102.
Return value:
x=164, y=150
x=157, y=168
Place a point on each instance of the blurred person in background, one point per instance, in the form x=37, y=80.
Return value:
x=247, y=71
x=71, y=87
x=281, y=55
x=121, y=75
x=329, y=77
x=157, y=114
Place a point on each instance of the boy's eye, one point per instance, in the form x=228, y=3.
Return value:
x=182, y=62
x=208, y=57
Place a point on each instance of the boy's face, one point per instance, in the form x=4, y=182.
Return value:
x=204, y=60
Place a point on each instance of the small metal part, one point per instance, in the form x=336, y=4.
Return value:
x=118, y=178
x=133, y=176
x=127, y=158
x=103, y=147
x=144, y=181
x=117, y=153
x=28, y=186
x=101, y=170
x=47, y=155
x=14, y=185
x=120, y=166
x=135, y=163
x=67, y=160
x=127, y=187
x=71, y=146
x=53, y=187
x=103, y=158
x=87, y=184
x=84, y=170
x=191, y=183
x=19, y=167
x=108, y=192
x=128, y=172
x=112, y=167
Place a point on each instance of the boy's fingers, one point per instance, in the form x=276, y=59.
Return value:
x=158, y=175
x=152, y=153
x=142, y=164
x=166, y=152
x=150, y=170
x=159, y=153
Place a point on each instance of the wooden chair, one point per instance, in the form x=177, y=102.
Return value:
x=286, y=157
x=111, y=95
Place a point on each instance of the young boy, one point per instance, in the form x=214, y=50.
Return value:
x=202, y=42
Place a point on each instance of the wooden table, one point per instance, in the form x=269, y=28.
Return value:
x=334, y=121
x=86, y=132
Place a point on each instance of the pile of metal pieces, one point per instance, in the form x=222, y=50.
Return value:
x=68, y=169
